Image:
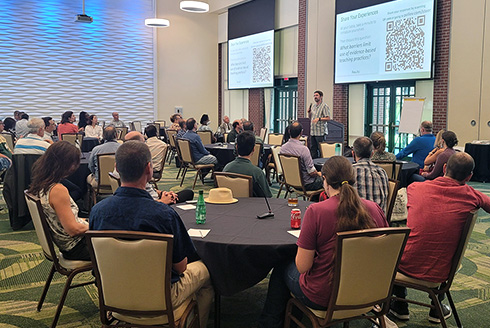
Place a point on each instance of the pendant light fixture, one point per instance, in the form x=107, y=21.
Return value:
x=194, y=6
x=157, y=22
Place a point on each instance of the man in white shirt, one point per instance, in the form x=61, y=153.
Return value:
x=158, y=148
x=33, y=143
x=21, y=129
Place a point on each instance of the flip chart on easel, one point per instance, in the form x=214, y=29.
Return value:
x=411, y=115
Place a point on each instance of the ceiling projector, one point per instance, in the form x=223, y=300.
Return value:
x=82, y=18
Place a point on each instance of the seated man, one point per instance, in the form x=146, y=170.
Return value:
x=437, y=212
x=249, y=126
x=237, y=128
x=116, y=122
x=420, y=146
x=33, y=142
x=311, y=177
x=199, y=153
x=110, y=145
x=372, y=180
x=225, y=127
x=132, y=208
x=245, y=143
x=175, y=119
x=157, y=147
x=49, y=127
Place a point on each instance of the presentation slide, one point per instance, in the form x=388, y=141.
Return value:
x=251, y=61
x=390, y=41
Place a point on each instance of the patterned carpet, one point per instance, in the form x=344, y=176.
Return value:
x=23, y=271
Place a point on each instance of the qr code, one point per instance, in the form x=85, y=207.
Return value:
x=405, y=44
x=262, y=64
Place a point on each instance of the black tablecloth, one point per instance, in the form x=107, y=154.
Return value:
x=89, y=143
x=240, y=250
x=481, y=155
x=225, y=153
x=408, y=169
x=79, y=177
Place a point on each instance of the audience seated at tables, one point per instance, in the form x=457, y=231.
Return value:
x=175, y=119
x=92, y=129
x=83, y=120
x=437, y=213
x=420, y=146
x=225, y=127
x=33, y=143
x=372, y=180
x=157, y=147
x=245, y=144
x=49, y=127
x=5, y=151
x=200, y=154
x=379, y=144
x=9, y=126
x=237, y=128
x=309, y=174
x=309, y=277
x=60, y=160
x=132, y=208
x=110, y=145
x=116, y=122
x=21, y=128
x=66, y=125
x=449, y=140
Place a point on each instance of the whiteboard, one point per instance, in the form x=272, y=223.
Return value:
x=411, y=115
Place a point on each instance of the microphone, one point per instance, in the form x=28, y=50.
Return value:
x=309, y=109
x=265, y=215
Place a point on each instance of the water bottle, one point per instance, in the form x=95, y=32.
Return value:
x=200, y=209
x=338, y=150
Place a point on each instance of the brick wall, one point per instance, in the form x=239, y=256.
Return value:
x=340, y=106
x=302, y=30
x=256, y=108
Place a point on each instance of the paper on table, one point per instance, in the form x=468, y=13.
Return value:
x=295, y=233
x=186, y=207
x=198, y=232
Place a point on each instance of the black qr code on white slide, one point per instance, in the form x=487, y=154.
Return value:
x=262, y=64
x=405, y=44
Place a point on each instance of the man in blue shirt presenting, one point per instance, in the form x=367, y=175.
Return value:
x=420, y=146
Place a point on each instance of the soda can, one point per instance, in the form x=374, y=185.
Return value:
x=295, y=218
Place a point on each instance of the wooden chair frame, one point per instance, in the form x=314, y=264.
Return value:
x=115, y=181
x=328, y=149
x=136, y=126
x=256, y=154
x=241, y=178
x=289, y=186
x=393, y=168
x=263, y=133
x=159, y=173
x=44, y=235
x=381, y=237
x=275, y=139
x=434, y=292
x=188, y=161
x=10, y=140
x=390, y=202
x=171, y=134
x=121, y=133
x=102, y=188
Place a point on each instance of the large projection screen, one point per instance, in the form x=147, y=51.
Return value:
x=389, y=41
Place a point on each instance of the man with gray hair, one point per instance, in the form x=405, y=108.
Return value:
x=33, y=143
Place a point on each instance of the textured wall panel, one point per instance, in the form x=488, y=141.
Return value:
x=50, y=64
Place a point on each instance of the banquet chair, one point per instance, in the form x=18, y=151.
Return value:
x=105, y=164
x=241, y=185
x=171, y=134
x=392, y=168
x=256, y=154
x=10, y=140
x=291, y=169
x=436, y=289
x=275, y=165
x=157, y=175
x=393, y=186
x=136, y=126
x=304, y=140
x=206, y=137
x=328, y=150
x=65, y=267
x=263, y=133
x=188, y=161
x=356, y=291
x=75, y=139
x=121, y=133
x=275, y=139
x=115, y=181
x=133, y=271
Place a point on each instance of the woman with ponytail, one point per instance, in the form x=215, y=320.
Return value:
x=309, y=278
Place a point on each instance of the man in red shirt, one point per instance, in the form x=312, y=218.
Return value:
x=437, y=211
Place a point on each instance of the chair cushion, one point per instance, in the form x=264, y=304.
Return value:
x=72, y=264
x=403, y=278
x=203, y=166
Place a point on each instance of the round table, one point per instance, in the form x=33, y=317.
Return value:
x=481, y=156
x=225, y=152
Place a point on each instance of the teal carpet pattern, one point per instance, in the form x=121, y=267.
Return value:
x=23, y=271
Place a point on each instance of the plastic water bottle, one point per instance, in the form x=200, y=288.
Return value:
x=200, y=209
x=338, y=150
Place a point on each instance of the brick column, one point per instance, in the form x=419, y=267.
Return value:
x=340, y=107
x=302, y=31
x=256, y=108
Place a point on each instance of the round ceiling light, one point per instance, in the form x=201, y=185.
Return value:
x=157, y=22
x=194, y=6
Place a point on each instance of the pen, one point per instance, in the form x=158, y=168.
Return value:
x=201, y=234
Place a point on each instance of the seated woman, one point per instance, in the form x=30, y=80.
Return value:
x=205, y=127
x=430, y=160
x=309, y=278
x=58, y=162
x=449, y=140
x=83, y=120
x=379, y=144
x=92, y=130
x=66, y=125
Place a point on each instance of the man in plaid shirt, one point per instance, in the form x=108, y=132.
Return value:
x=319, y=113
x=372, y=180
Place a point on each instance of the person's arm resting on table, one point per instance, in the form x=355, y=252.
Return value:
x=59, y=199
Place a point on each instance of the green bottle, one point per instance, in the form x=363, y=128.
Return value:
x=200, y=209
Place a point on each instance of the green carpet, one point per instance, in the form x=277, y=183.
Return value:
x=23, y=271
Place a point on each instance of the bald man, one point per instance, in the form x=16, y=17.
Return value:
x=115, y=121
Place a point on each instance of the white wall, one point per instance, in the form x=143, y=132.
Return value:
x=357, y=111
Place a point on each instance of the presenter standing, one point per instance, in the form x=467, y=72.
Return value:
x=319, y=113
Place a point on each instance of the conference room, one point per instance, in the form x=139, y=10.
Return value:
x=99, y=57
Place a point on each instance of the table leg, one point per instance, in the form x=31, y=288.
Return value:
x=217, y=310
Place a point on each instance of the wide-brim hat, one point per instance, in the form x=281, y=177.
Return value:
x=220, y=196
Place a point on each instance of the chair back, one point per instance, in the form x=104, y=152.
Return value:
x=206, y=137
x=328, y=150
x=171, y=133
x=121, y=133
x=105, y=164
x=365, y=266
x=263, y=133
x=75, y=139
x=291, y=170
x=136, y=126
x=304, y=140
x=115, y=181
x=241, y=185
x=393, y=186
x=275, y=139
x=256, y=154
x=275, y=154
x=10, y=140
x=392, y=168
x=185, y=150
x=157, y=175
x=161, y=123
x=133, y=271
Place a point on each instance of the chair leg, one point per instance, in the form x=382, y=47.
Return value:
x=280, y=189
x=46, y=287
x=438, y=308
x=195, y=178
x=63, y=298
x=183, y=176
x=453, y=308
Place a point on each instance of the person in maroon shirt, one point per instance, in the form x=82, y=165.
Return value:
x=309, y=277
x=437, y=213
